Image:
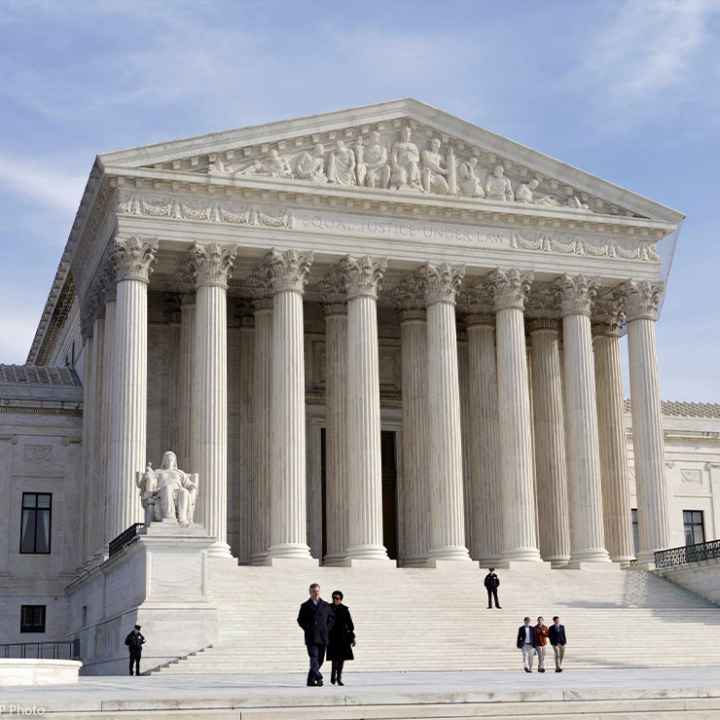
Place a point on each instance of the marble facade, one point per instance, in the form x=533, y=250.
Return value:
x=269, y=301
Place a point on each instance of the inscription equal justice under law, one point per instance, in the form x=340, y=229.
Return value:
x=402, y=230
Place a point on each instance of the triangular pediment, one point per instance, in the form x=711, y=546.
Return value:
x=402, y=146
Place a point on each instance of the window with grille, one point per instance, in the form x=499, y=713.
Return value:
x=694, y=524
x=32, y=618
x=635, y=530
x=36, y=523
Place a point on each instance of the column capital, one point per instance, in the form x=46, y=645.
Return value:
x=577, y=293
x=642, y=299
x=364, y=276
x=544, y=325
x=478, y=299
x=442, y=282
x=409, y=296
x=212, y=264
x=609, y=316
x=286, y=270
x=510, y=288
x=333, y=287
x=133, y=258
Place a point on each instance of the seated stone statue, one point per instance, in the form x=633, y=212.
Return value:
x=405, y=173
x=311, y=167
x=434, y=174
x=526, y=191
x=168, y=493
x=275, y=165
x=373, y=170
x=469, y=181
x=498, y=187
x=341, y=166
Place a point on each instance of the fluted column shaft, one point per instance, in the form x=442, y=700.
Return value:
x=97, y=476
x=105, y=419
x=287, y=413
x=212, y=265
x=484, y=447
x=336, y=345
x=516, y=461
x=642, y=302
x=583, y=446
x=262, y=401
x=365, y=530
x=89, y=385
x=133, y=259
x=416, y=492
x=613, y=451
x=550, y=460
x=447, y=539
x=185, y=381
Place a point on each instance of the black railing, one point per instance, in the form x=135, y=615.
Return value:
x=687, y=554
x=124, y=538
x=55, y=650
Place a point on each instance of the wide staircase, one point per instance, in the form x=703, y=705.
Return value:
x=437, y=619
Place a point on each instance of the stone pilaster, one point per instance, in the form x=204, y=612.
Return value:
x=185, y=380
x=484, y=448
x=642, y=300
x=583, y=446
x=287, y=273
x=510, y=288
x=447, y=539
x=611, y=431
x=89, y=385
x=106, y=415
x=415, y=492
x=212, y=265
x=97, y=478
x=262, y=403
x=550, y=460
x=336, y=468
x=365, y=530
x=132, y=259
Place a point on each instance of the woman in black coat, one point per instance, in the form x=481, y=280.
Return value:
x=342, y=638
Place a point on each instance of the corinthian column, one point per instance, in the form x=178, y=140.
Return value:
x=287, y=273
x=484, y=448
x=550, y=462
x=583, y=446
x=642, y=300
x=365, y=530
x=611, y=431
x=185, y=380
x=447, y=538
x=262, y=402
x=132, y=259
x=336, y=341
x=415, y=493
x=105, y=414
x=510, y=288
x=212, y=265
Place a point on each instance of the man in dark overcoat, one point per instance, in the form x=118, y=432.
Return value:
x=492, y=583
x=134, y=641
x=316, y=618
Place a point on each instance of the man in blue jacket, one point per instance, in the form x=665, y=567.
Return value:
x=316, y=617
x=558, y=640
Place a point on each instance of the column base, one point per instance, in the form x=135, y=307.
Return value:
x=415, y=562
x=336, y=560
x=599, y=565
x=531, y=565
x=288, y=562
x=591, y=556
x=369, y=563
x=450, y=553
x=622, y=559
x=259, y=559
x=488, y=563
x=557, y=563
x=219, y=550
x=366, y=552
x=290, y=551
x=525, y=555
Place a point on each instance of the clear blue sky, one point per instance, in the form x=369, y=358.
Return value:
x=627, y=90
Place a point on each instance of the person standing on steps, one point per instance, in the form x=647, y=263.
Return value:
x=558, y=640
x=134, y=641
x=541, y=636
x=342, y=638
x=316, y=618
x=526, y=643
x=492, y=583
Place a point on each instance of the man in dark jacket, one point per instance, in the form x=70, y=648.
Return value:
x=526, y=642
x=558, y=640
x=134, y=641
x=492, y=583
x=316, y=618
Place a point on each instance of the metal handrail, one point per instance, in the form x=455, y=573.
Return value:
x=687, y=554
x=124, y=539
x=47, y=650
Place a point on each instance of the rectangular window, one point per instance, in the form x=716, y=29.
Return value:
x=694, y=524
x=635, y=530
x=36, y=523
x=32, y=618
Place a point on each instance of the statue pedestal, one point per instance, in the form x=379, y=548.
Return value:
x=158, y=581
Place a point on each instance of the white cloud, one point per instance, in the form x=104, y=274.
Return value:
x=46, y=185
x=649, y=47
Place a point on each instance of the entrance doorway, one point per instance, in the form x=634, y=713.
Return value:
x=389, y=491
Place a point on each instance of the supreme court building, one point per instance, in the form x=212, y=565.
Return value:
x=374, y=334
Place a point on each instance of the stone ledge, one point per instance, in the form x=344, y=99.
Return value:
x=38, y=672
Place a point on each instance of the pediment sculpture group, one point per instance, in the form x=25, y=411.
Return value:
x=167, y=494
x=403, y=167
